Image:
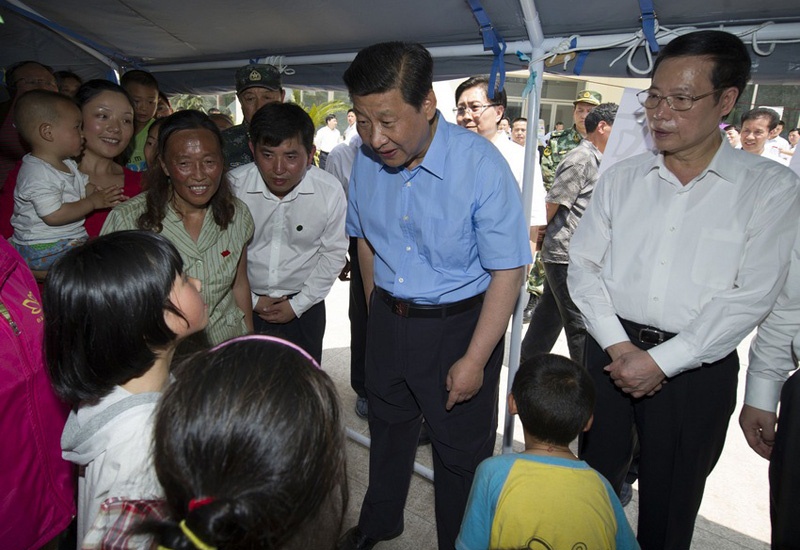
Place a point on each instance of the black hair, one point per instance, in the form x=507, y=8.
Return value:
x=727, y=51
x=350, y=111
x=254, y=431
x=732, y=127
x=63, y=75
x=104, y=306
x=163, y=97
x=330, y=117
x=519, y=119
x=139, y=77
x=35, y=107
x=404, y=66
x=483, y=82
x=554, y=397
x=762, y=112
x=92, y=88
x=605, y=112
x=274, y=123
x=157, y=182
x=10, y=74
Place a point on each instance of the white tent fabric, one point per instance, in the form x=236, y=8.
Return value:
x=194, y=46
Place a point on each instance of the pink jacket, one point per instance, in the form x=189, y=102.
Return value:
x=36, y=484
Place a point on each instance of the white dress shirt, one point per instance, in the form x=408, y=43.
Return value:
x=773, y=147
x=299, y=243
x=771, y=360
x=350, y=132
x=327, y=138
x=514, y=153
x=705, y=260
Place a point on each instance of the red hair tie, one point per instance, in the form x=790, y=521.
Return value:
x=196, y=503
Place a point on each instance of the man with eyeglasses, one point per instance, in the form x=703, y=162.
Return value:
x=19, y=78
x=677, y=258
x=477, y=113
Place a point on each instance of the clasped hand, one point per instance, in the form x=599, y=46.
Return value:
x=274, y=310
x=634, y=371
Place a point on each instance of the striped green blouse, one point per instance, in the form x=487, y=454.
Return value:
x=212, y=259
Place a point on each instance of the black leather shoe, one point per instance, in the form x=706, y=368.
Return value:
x=354, y=539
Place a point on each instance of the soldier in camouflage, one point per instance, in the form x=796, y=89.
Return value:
x=565, y=141
x=256, y=85
x=561, y=142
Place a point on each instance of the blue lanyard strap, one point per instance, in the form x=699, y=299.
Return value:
x=491, y=41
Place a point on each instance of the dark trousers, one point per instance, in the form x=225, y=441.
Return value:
x=784, y=469
x=407, y=364
x=555, y=311
x=305, y=331
x=358, y=322
x=323, y=159
x=681, y=431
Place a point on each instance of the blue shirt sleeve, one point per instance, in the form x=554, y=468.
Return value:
x=625, y=539
x=476, y=527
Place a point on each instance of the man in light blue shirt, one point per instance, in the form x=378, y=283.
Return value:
x=442, y=243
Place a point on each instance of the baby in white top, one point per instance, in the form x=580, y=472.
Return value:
x=51, y=198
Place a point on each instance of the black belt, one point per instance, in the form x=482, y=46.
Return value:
x=410, y=309
x=645, y=334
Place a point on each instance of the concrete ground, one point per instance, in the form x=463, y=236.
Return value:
x=734, y=513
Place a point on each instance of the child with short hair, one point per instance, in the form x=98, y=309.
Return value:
x=151, y=144
x=51, y=199
x=239, y=467
x=545, y=495
x=143, y=89
x=115, y=310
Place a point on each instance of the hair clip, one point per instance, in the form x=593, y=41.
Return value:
x=196, y=503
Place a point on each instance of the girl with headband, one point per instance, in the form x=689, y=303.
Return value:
x=249, y=447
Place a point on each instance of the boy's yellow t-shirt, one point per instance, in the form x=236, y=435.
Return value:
x=535, y=502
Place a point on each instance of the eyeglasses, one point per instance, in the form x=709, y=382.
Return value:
x=475, y=110
x=651, y=100
x=40, y=83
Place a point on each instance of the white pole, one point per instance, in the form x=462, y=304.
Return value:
x=534, y=26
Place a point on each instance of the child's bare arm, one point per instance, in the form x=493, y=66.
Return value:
x=74, y=211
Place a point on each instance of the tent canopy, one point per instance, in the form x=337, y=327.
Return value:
x=195, y=46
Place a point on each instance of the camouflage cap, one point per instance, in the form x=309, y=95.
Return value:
x=261, y=76
x=590, y=97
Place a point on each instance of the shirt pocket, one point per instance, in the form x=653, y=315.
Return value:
x=717, y=258
x=443, y=244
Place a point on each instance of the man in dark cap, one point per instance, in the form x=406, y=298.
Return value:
x=564, y=141
x=256, y=85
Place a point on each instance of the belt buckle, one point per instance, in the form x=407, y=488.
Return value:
x=400, y=308
x=651, y=336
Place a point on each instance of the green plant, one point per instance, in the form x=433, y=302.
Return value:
x=318, y=111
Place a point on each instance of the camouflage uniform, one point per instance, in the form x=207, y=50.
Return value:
x=235, y=141
x=236, y=147
x=560, y=144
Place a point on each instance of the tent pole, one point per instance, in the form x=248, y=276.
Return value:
x=534, y=27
